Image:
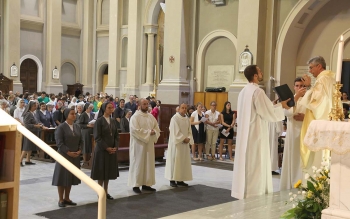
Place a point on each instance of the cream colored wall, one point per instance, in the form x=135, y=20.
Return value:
x=68, y=75
x=70, y=50
x=213, y=18
x=105, y=12
x=283, y=9
x=32, y=43
x=220, y=52
x=69, y=8
x=210, y=18
x=323, y=31
x=30, y=7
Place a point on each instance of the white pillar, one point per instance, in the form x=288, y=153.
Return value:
x=150, y=59
x=174, y=87
x=87, y=54
x=134, y=45
x=247, y=34
x=53, y=45
x=114, y=45
x=11, y=42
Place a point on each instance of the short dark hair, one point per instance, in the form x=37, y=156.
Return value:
x=298, y=79
x=250, y=71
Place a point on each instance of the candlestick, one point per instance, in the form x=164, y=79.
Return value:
x=340, y=59
x=155, y=72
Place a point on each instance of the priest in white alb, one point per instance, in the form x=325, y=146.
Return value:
x=144, y=133
x=252, y=165
x=291, y=166
x=318, y=103
x=178, y=166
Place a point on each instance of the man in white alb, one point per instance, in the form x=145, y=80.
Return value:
x=252, y=167
x=144, y=132
x=212, y=132
x=291, y=165
x=178, y=160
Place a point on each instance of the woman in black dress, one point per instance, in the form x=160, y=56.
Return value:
x=69, y=143
x=105, y=164
x=198, y=131
x=228, y=119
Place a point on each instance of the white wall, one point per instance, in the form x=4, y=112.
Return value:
x=30, y=7
x=71, y=49
x=69, y=11
x=68, y=75
x=105, y=12
x=323, y=31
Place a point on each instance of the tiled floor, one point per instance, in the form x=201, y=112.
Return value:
x=37, y=194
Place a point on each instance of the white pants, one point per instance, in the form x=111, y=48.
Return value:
x=212, y=137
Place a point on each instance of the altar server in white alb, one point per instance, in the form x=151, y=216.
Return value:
x=144, y=132
x=178, y=160
x=252, y=165
x=291, y=166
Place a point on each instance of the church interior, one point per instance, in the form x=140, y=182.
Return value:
x=173, y=50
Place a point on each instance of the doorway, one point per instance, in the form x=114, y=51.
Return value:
x=29, y=76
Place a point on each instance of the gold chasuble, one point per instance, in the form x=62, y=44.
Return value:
x=318, y=103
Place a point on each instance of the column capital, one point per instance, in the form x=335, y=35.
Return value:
x=150, y=28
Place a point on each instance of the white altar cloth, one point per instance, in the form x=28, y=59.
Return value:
x=334, y=136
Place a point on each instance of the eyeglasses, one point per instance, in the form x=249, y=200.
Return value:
x=311, y=67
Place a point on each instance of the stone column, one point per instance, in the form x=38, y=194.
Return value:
x=248, y=34
x=87, y=54
x=11, y=16
x=134, y=45
x=174, y=88
x=150, y=59
x=53, y=45
x=114, y=48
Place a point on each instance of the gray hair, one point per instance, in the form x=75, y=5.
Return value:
x=318, y=60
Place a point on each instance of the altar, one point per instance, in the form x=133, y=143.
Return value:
x=334, y=136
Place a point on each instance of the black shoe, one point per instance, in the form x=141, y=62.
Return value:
x=69, y=202
x=173, y=184
x=148, y=188
x=137, y=190
x=22, y=164
x=109, y=197
x=61, y=204
x=29, y=163
x=181, y=183
x=275, y=173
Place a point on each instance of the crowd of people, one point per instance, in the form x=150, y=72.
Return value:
x=193, y=129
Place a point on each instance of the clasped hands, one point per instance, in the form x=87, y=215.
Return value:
x=186, y=140
x=299, y=117
x=74, y=154
x=111, y=150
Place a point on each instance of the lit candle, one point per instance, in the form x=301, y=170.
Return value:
x=340, y=59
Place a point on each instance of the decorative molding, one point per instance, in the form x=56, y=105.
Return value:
x=71, y=29
x=102, y=30
x=32, y=22
x=150, y=28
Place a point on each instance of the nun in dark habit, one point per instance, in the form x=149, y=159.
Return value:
x=32, y=125
x=105, y=164
x=86, y=131
x=69, y=143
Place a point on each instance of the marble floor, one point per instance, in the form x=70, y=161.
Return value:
x=37, y=194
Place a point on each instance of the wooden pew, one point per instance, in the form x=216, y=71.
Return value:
x=123, y=150
x=42, y=156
